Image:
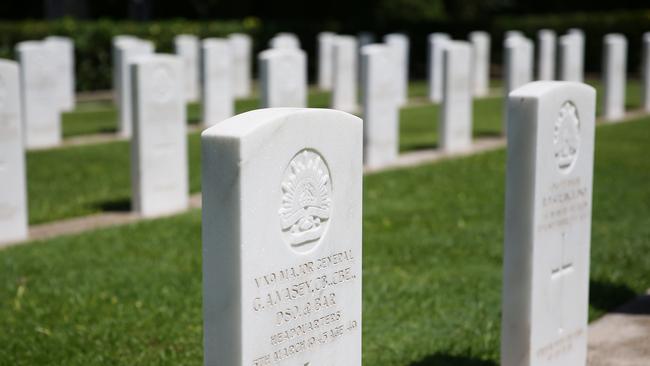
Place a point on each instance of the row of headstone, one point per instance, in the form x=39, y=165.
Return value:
x=217, y=81
x=189, y=48
x=283, y=77
x=645, y=73
x=479, y=73
x=47, y=83
x=206, y=64
x=381, y=100
x=159, y=166
x=614, y=74
x=126, y=49
x=186, y=46
x=518, y=64
x=13, y=195
x=400, y=47
x=282, y=259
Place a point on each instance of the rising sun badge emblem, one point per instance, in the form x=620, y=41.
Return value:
x=566, y=137
x=306, y=200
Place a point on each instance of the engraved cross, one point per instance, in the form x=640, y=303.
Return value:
x=559, y=272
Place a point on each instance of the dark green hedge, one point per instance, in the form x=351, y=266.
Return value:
x=93, y=40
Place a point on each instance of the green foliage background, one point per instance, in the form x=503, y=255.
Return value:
x=413, y=17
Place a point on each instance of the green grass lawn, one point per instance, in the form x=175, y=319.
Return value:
x=82, y=180
x=101, y=116
x=131, y=295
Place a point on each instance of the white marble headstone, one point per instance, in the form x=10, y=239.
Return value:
x=379, y=90
x=548, y=224
x=570, y=58
x=518, y=63
x=344, y=87
x=400, y=45
x=325, y=59
x=285, y=40
x=480, y=63
x=436, y=43
x=282, y=192
x=40, y=101
x=217, y=99
x=116, y=64
x=242, y=51
x=186, y=46
x=581, y=41
x=614, y=75
x=645, y=73
x=455, y=126
x=159, y=167
x=283, y=78
x=63, y=51
x=126, y=51
x=513, y=33
x=546, y=56
x=13, y=195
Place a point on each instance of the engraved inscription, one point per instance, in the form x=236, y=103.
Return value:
x=566, y=137
x=559, y=347
x=566, y=202
x=304, y=304
x=306, y=200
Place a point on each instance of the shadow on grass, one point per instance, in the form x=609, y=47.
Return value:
x=418, y=146
x=448, y=360
x=193, y=120
x=119, y=205
x=108, y=130
x=487, y=134
x=608, y=296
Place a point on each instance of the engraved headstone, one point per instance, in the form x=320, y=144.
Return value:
x=548, y=224
x=325, y=59
x=126, y=51
x=645, y=73
x=283, y=78
x=614, y=74
x=518, y=64
x=242, y=51
x=217, y=100
x=63, y=51
x=455, y=127
x=159, y=168
x=399, y=44
x=186, y=46
x=41, y=106
x=546, y=55
x=380, y=105
x=282, y=193
x=285, y=40
x=344, y=87
x=436, y=43
x=480, y=63
x=570, y=50
x=13, y=195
